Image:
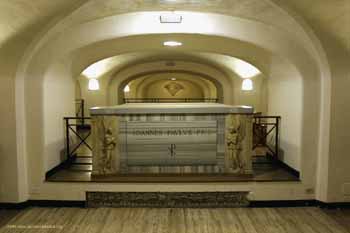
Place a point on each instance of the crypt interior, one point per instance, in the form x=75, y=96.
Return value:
x=180, y=115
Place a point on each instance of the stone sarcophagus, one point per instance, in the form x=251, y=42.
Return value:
x=172, y=138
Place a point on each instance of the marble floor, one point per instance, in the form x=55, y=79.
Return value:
x=237, y=220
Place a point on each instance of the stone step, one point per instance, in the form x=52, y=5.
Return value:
x=83, y=160
x=80, y=167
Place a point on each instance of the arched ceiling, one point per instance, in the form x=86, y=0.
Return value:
x=149, y=48
x=152, y=44
x=231, y=66
x=326, y=16
x=23, y=20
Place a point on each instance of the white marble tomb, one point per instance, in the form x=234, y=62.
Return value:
x=172, y=138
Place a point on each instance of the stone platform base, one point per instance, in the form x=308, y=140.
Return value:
x=167, y=199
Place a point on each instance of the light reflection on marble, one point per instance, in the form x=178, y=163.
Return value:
x=171, y=108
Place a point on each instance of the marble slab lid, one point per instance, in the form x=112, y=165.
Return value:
x=171, y=108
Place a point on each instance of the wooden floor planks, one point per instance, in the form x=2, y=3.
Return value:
x=177, y=220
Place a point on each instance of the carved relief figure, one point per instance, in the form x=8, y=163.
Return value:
x=104, y=151
x=234, y=138
x=109, y=144
x=173, y=88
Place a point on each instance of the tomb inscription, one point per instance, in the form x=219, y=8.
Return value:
x=170, y=143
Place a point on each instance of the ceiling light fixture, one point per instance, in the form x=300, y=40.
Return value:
x=172, y=43
x=170, y=18
x=173, y=79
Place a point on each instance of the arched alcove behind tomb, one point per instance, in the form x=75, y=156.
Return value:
x=210, y=79
x=223, y=83
x=200, y=86
x=297, y=57
x=157, y=86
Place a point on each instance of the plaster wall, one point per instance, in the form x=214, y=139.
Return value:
x=12, y=169
x=285, y=99
x=338, y=172
x=8, y=147
x=59, y=96
x=18, y=30
x=327, y=24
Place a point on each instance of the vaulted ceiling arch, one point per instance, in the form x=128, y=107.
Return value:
x=119, y=80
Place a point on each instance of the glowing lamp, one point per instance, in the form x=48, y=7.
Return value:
x=126, y=88
x=172, y=43
x=94, y=85
x=247, y=85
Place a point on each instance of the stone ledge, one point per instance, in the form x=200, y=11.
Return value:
x=167, y=199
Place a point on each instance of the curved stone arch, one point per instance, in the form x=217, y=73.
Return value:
x=143, y=88
x=325, y=98
x=303, y=55
x=247, y=52
x=61, y=49
x=119, y=80
x=199, y=82
x=217, y=84
x=144, y=85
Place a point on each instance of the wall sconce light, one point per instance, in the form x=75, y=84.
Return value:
x=247, y=85
x=126, y=89
x=94, y=85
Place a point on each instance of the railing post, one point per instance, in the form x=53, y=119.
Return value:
x=83, y=111
x=67, y=138
x=277, y=138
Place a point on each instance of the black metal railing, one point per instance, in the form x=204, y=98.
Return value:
x=76, y=136
x=170, y=100
x=266, y=133
x=80, y=110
